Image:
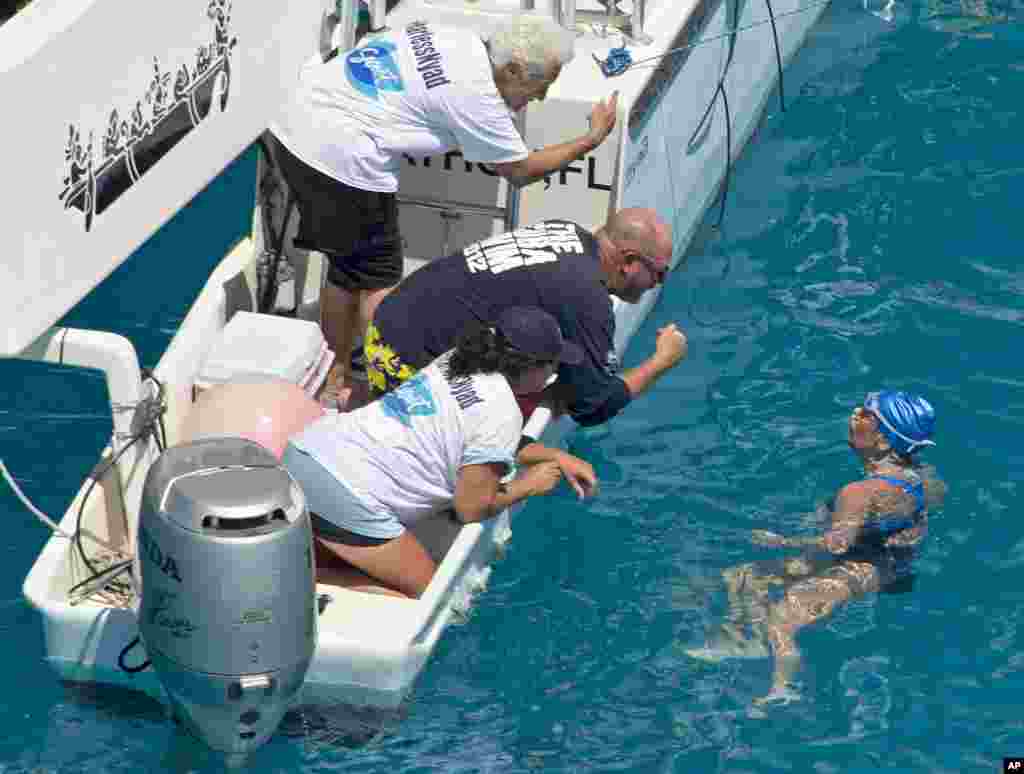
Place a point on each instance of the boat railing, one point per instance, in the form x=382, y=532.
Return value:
x=566, y=12
x=630, y=25
x=345, y=17
x=338, y=28
x=378, y=11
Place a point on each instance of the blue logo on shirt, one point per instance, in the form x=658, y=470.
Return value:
x=373, y=69
x=412, y=399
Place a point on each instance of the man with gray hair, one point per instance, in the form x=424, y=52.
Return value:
x=421, y=90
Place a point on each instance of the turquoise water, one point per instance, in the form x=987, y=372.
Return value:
x=872, y=240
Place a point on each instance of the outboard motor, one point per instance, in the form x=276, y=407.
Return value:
x=227, y=610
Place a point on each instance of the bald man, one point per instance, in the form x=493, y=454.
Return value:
x=555, y=265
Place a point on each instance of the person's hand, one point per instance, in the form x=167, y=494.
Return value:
x=671, y=345
x=578, y=473
x=542, y=478
x=762, y=537
x=602, y=119
x=838, y=540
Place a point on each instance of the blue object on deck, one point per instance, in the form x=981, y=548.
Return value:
x=617, y=62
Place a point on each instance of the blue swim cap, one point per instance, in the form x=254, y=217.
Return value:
x=907, y=421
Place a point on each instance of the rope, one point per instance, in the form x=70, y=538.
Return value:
x=46, y=519
x=619, y=60
x=153, y=426
x=730, y=33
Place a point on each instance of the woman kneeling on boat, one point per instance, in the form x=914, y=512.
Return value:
x=876, y=525
x=444, y=439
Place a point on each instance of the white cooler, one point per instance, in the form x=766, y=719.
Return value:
x=264, y=346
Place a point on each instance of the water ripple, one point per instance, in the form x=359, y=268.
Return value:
x=945, y=295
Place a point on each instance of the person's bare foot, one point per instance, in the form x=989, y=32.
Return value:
x=778, y=696
x=334, y=394
x=335, y=399
x=336, y=373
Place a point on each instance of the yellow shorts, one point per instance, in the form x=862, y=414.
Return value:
x=384, y=368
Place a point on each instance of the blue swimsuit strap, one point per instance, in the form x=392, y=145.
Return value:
x=914, y=489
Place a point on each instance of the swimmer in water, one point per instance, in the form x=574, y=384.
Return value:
x=876, y=525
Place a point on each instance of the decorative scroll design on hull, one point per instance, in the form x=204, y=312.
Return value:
x=131, y=144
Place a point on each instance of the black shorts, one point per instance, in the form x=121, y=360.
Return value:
x=357, y=230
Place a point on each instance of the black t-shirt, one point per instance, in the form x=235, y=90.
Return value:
x=553, y=265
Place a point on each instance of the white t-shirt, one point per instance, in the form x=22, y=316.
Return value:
x=401, y=454
x=422, y=90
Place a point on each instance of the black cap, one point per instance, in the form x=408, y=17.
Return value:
x=536, y=334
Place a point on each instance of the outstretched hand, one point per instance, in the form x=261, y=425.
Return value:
x=671, y=344
x=542, y=477
x=579, y=474
x=602, y=119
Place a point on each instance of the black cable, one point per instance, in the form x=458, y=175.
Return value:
x=85, y=498
x=60, y=357
x=270, y=289
x=728, y=155
x=124, y=652
x=118, y=566
x=150, y=429
x=161, y=438
x=703, y=119
x=113, y=461
x=720, y=91
x=778, y=54
x=728, y=33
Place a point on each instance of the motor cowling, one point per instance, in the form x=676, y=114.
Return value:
x=227, y=610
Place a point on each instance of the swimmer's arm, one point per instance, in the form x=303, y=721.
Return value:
x=852, y=505
x=850, y=511
x=838, y=539
x=763, y=537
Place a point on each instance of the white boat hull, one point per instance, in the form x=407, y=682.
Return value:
x=372, y=647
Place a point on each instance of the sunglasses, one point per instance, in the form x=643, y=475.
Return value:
x=657, y=271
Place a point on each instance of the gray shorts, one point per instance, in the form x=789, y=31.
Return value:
x=336, y=511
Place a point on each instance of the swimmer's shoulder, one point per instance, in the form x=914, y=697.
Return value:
x=870, y=496
x=853, y=500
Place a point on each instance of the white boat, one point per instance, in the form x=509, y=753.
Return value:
x=199, y=85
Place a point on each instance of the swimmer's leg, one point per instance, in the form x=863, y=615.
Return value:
x=740, y=635
x=748, y=586
x=805, y=602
